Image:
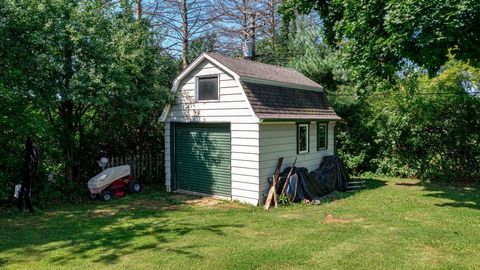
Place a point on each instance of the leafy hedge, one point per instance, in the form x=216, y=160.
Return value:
x=423, y=127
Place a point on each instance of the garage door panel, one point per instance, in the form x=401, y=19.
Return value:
x=202, y=158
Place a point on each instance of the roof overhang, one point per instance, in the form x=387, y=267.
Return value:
x=300, y=119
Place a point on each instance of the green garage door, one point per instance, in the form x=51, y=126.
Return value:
x=202, y=158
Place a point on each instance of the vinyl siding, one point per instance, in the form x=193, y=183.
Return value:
x=280, y=140
x=232, y=108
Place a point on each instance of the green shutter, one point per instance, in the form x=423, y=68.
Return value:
x=202, y=158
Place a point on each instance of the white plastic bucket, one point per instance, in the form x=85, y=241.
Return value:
x=16, y=194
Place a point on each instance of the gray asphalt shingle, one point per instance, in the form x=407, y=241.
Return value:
x=256, y=70
x=293, y=100
x=278, y=102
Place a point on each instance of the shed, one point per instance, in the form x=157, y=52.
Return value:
x=232, y=120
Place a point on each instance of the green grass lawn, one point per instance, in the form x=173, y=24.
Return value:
x=394, y=223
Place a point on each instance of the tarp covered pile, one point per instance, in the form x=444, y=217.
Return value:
x=304, y=185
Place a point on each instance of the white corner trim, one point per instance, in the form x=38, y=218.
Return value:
x=165, y=112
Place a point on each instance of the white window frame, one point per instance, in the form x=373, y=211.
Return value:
x=299, y=126
x=326, y=135
x=197, y=86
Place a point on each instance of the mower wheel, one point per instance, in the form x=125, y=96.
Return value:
x=106, y=195
x=134, y=186
x=93, y=196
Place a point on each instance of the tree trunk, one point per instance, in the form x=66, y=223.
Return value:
x=184, y=34
x=139, y=10
x=252, y=33
x=67, y=140
x=67, y=113
x=244, y=23
x=273, y=22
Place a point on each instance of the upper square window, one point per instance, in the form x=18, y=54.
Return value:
x=207, y=88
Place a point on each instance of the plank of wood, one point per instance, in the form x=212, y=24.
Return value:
x=288, y=176
x=272, y=193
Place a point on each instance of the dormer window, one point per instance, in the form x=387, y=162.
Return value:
x=207, y=88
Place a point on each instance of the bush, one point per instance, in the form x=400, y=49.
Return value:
x=423, y=127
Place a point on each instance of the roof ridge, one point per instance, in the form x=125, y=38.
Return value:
x=252, y=61
x=263, y=71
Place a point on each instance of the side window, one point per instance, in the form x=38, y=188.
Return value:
x=322, y=136
x=207, y=88
x=302, y=138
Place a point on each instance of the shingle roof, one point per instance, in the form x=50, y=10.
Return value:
x=278, y=102
x=251, y=69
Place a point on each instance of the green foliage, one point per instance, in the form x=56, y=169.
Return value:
x=315, y=59
x=405, y=102
x=423, y=127
x=375, y=36
x=199, y=45
x=305, y=50
x=78, y=76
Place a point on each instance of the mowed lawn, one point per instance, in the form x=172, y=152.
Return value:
x=394, y=224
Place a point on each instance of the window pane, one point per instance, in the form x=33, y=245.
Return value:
x=322, y=136
x=302, y=138
x=208, y=88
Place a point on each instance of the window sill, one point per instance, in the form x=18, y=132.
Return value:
x=207, y=101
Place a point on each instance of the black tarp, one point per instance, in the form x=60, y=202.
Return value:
x=330, y=176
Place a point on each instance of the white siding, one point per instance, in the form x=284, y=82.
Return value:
x=280, y=140
x=231, y=108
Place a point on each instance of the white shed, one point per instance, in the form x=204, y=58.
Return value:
x=234, y=118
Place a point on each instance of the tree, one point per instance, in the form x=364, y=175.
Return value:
x=184, y=20
x=238, y=22
x=377, y=36
x=314, y=58
x=199, y=45
x=73, y=59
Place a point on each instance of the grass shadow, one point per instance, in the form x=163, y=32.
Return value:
x=410, y=184
x=466, y=195
x=104, y=232
x=461, y=194
x=370, y=184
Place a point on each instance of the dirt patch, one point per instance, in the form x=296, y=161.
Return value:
x=210, y=202
x=331, y=219
x=104, y=212
x=203, y=202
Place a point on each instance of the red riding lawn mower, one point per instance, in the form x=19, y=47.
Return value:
x=115, y=181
